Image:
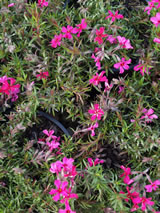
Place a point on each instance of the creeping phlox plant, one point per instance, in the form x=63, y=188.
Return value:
x=155, y=19
x=8, y=88
x=66, y=173
x=54, y=80
x=137, y=192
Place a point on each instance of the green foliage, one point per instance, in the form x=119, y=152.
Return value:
x=25, y=35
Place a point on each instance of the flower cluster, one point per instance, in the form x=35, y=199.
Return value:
x=52, y=141
x=67, y=33
x=133, y=195
x=42, y=3
x=66, y=172
x=155, y=19
x=9, y=88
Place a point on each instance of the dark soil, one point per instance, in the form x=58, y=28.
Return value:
x=112, y=155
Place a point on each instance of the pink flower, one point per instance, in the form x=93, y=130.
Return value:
x=148, y=115
x=124, y=43
x=71, y=172
x=114, y=16
x=67, y=164
x=61, y=189
x=127, y=172
x=122, y=65
x=156, y=1
x=97, y=60
x=56, y=167
x=99, y=35
x=66, y=210
x=152, y=186
x=156, y=19
x=53, y=144
x=111, y=39
x=94, y=163
x=8, y=87
x=92, y=128
x=68, y=31
x=42, y=3
x=48, y=133
x=56, y=41
x=97, y=49
x=43, y=75
x=96, y=112
x=80, y=27
x=96, y=79
x=121, y=88
x=11, y=5
x=130, y=195
x=157, y=40
x=69, y=195
x=108, y=86
x=142, y=68
x=144, y=201
x=149, y=8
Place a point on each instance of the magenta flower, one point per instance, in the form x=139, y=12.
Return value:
x=114, y=16
x=54, y=144
x=142, y=68
x=144, y=201
x=67, y=164
x=66, y=210
x=94, y=163
x=80, y=27
x=97, y=60
x=96, y=112
x=96, y=79
x=130, y=195
x=97, y=49
x=92, y=128
x=43, y=75
x=156, y=1
x=56, y=41
x=124, y=43
x=111, y=39
x=42, y=3
x=148, y=115
x=99, y=35
x=8, y=87
x=68, y=31
x=71, y=172
x=152, y=186
x=108, y=86
x=61, y=189
x=125, y=174
x=48, y=133
x=149, y=8
x=121, y=88
x=56, y=167
x=69, y=195
x=11, y=5
x=156, y=19
x=157, y=40
x=122, y=65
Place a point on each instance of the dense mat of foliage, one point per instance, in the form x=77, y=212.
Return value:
x=95, y=67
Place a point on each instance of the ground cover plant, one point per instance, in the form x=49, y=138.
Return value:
x=79, y=106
